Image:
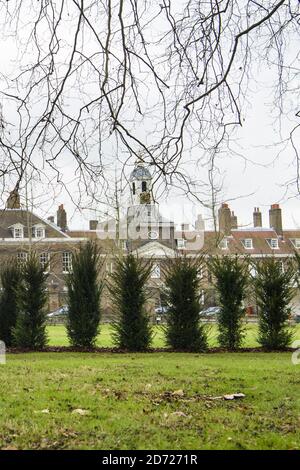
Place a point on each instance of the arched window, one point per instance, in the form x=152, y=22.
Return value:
x=144, y=186
x=133, y=188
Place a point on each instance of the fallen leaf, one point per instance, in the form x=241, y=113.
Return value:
x=234, y=396
x=179, y=414
x=179, y=393
x=80, y=411
x=45, y=411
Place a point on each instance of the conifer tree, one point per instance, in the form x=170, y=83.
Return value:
x=231, y=275
x=84, y=293
x=127, y=286
x=30, y=330
x=274, y=292
x=10, y=279
x=184, y=330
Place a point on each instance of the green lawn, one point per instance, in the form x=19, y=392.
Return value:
x=57, y=336
x=127, y=401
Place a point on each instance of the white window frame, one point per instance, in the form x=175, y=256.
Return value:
x=202, y=297
x=252, y=271
x=67, y=261
x=19, y=230
x=273, y=241
x=296, y=242
x=109, y=267
x=36, y=229
x=248, y=243
x=282, y=265
x=22, y=257
x=181, y=243
x=46, y=261
x=155, y=272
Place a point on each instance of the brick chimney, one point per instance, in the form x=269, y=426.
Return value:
x=13, y=200
x=234, y=222
x=224, y=214
x=257, y=217
x=275, y=218
x=62, y=218
x=93, y=224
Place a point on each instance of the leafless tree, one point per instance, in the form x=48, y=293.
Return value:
x=149, y=78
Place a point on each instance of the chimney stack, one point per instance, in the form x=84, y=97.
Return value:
x=93, y=224
x=234, y=222
x=275, y=218
x=51, y=219
x=199, y=223
x=257, y=217
x=224, y=214
x=62, y=218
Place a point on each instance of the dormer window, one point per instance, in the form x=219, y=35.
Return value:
x=181, y=243
x=144, y=186
x=273, y=242
x=296, y=242
x=17, y=231
x=133, y=188
x=248, y=243
x=38, y=231
x=223, y=245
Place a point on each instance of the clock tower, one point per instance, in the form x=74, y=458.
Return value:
x=140, y=185
x=144, y=222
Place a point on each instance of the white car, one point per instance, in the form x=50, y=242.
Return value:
x=58, y=312
x=210, y=312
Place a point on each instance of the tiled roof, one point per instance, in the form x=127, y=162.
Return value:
x=260, y=244
x=9, y=217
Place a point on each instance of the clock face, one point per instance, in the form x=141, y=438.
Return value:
x=153, y=235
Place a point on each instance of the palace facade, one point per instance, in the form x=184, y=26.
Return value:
x=145, y=232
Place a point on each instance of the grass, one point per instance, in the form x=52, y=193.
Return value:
x=128, y=401
x=58, y=337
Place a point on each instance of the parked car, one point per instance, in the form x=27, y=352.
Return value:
x=160, y=313
x=210, y=312
x=58, y=312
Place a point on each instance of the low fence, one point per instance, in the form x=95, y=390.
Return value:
x=248, y=320
x=62, y=321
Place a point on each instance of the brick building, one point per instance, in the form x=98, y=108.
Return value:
x=145, y=232
x=22, y=231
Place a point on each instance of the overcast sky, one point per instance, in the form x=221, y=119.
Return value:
x=255, y=174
